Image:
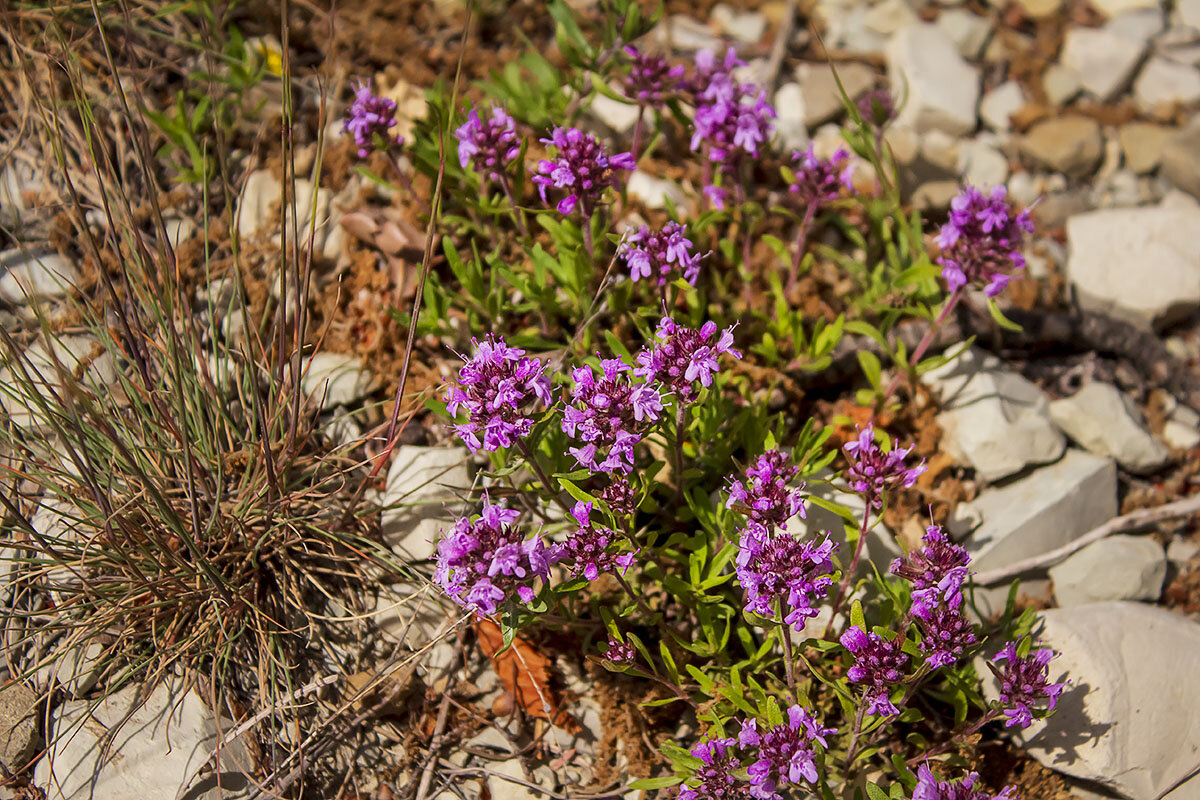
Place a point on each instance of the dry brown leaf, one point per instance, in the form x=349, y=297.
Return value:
x=525, y=673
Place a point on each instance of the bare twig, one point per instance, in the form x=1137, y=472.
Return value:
x=1125, y=522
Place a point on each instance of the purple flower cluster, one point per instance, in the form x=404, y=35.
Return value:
x=619, y=494
x=483, y=562
x=872, y=471
x=651, y=79
x=930, y=788
x=610, y=415
x=582, y=167
x=488, y=144
x=618, y=652
x=657, y=254
x=818, y=180
x=715, y=779
x=732, y=119
x=589, y=547
x=785, y=752
x=877, y=107
x=937, y=573
x=765, y=493
x=778, y=571
x=879, y=665
x=1024, y=683
x=368, y=120
x=981, y=242
x=684, y=356
x=496, y=387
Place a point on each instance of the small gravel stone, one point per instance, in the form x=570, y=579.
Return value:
x=1163, y=82
x=967, y=30
x=1070, y=144
x=1143, y=144
x=1061, y=84
x=1104, y=421
x=1181, y=161
x=943, y=89
x=19, y=738
x=1104, y=60
x=655, y=192
x=983, y=165
x=1116, y=568
x=999, y=104
x=822, y=100
x=25, y=276
x=1111, y=8
x=743, y=26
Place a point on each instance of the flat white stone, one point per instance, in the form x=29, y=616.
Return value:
x=425, y=487
x=742, y=26
x=1102, y=420
x=983, y=165
x=993, y=419
x=1163, y=82
x=621, y=117
x=655, y=192
x=943, y=89
x=335, y=379
x=1061, y=84
x=1033, y=515
x=1125, y=720
x=966, y=29
x=158, y=752
x=1103, y=60
x=1116, y=568
x=822, y=98
x=682, y=32
x=76, y=355
x=1001, y=103
x=1137, y=264
x=25, y=276
x=18, y=726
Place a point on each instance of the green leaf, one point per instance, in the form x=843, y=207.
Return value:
x=856, y=615
x=664, y=782
x=871, y=368
x=875, y=793
x=1000, y=319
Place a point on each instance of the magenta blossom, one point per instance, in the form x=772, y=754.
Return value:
x=878, y=666
x=930, y=788
x=937, y=572
x=778, y=572
x=715, y=779
x=651, y=79
x=369, y=120
x=658, y=255
x=981, y=242
x=873, y=472
x=684, y=356
x=497, y=387
x=765, y=494
x=1024, y=683
x=785, y=752
x=582, y=168
x=618, y=652
x=818, y=181
x=485, y=562
x=590, y=547
x=610, y=415
x=489, y=144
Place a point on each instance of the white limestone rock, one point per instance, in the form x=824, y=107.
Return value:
x=1001, y=103
x=1163, y=82
x=26, y=276
x=943, y=89
x=19, y=737
x=1033, y=515
x=822, y=99
x=1102, y=420
x=80, y=356
x=968, y=30
x=335, y=379
x=655, y=192
x=424, y=492
x=1103, y=59
x=1137, y=264
x=1116, y=568
x=159, y=751
x=993, y=419
x=1124, y=720
x=621, y=117
x=742, y=26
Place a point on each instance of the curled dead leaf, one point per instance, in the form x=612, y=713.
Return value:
x=525, y=673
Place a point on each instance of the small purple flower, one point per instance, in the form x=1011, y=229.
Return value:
x=610, y=415
x=618, y=652
x=778, y=570
x=496, y=388
x=1024, y=683
x=937, y=572
x=879, y=666
x=657, y=254
x=488, y=144
x=715, y=779
x=484, y=562
x=981, y=242
x=651, y=79
x=589, y=548
x=684, y=356
x=877, y=107
x=582, y=167
x=819, y=180
x=930, y=788
x=785, y=752
x=711, y=78
x=947, y=635
x=368, y=120
x=764, y=492
x=872, y=471
x=619, y=494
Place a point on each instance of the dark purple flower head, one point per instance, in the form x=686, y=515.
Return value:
x=618, y=652
x=765, y=492
x=1024, y=683
x=590, y=547
x=484, y=562
x=581, y=167
x=873, y=472
x=488, y=144
x=368, y=120
x=609, y=414
x=619, y=494
x=497, y=387
x=777, y=569
x=877, y=107
x=820, y=180
x=937, y=572
x=947, y=635
x=981, y=242
x=785, y=752
x=879, y=665
x=684, y=356
x=651, y=79
x=710, y=78
x=930, y=788
x=659, y=254
x=715, y=779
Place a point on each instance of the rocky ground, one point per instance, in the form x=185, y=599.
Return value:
x=1089, y=111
